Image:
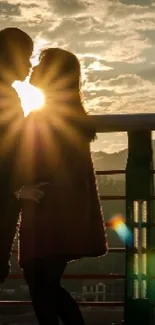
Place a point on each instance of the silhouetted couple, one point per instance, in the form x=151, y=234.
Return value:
x=46, y=172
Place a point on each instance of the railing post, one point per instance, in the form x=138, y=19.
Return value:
x=139, y=217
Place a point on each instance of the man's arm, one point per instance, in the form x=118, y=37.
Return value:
x=9, y=214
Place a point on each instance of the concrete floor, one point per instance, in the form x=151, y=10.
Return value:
x=92, y=316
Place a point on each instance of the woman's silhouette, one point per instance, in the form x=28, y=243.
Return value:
x=67, y=222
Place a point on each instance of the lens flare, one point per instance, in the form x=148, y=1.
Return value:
x=117, y=223
x=32, y=98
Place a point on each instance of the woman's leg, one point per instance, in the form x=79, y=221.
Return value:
x=49, y=299
x=43, y=294
x=68, y=309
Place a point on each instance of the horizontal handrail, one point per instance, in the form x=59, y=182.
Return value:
x=80, y=303
x=110, y=172
x=111, y=250
x=115, y=172
x=124, y=122
x=83, y=276
x=112, y=197
x=119, y=197
x=115, y=304
x=78, y=276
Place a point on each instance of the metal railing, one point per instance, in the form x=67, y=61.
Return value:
x=136, y=125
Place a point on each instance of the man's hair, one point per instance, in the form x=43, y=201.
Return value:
x=13, y=41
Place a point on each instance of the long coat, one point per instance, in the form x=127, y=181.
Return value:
x=68, y=221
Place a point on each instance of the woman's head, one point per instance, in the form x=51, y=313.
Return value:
x=55, y=66
x=58, y=74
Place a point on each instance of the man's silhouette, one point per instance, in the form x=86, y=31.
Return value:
x=15, y=50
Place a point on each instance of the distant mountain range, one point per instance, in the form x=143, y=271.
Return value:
x=105, y=161
x=116, y=160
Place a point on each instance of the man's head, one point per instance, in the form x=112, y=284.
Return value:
x=15, y=51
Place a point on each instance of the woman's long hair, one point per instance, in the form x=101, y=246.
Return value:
x=61, y=69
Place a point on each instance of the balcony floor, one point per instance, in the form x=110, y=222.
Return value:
x=92, y=316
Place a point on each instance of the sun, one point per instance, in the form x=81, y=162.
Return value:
x=32, y=98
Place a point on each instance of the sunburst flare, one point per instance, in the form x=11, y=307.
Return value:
x=32, y=98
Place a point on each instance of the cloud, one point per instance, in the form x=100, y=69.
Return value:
x=148, y=74
x=137, y=2
x=8, y=9
x=67, y=7
x=25, y=10
x=98, y=66
x=122, y=94
x=113, y=39
x=110, y=37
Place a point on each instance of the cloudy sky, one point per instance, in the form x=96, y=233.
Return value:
x=115, y=42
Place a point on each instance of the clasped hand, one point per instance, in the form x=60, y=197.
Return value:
x=31, y=192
